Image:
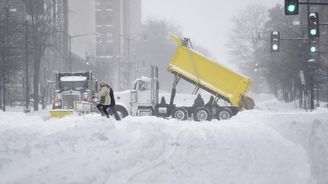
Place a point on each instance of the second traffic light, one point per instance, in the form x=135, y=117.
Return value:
x=275, y=41
x=313, y=24
x=313, y=45
x=291, y=7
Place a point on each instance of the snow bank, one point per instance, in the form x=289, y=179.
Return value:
x=92, y=149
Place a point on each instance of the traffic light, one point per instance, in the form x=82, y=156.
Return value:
x=291, y=7
x=313, y=45
x=256, y=67
x=313, y=24
x=275, y=41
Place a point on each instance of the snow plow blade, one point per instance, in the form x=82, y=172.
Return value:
x=60, y=113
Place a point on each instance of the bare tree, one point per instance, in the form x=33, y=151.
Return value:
x=246, y=37
x=158, y=49
x=41, y=12
x=10, y=43
x=285, y=66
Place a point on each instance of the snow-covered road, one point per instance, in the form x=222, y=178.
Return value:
x=264, y=146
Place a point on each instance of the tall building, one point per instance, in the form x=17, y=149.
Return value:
x=118, y=26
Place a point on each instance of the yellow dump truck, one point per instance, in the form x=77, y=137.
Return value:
x=212, y=77
x=204, y=73
x=209, y=75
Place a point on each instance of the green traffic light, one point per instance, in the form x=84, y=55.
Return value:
x=291, y=8
x=313, y=32
x=313, y=49
x=274, y=47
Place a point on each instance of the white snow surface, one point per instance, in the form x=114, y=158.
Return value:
x=73, y=78
x=273, y=144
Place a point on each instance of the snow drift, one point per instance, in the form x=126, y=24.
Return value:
x=260, y=146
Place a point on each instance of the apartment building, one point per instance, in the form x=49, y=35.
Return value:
x=118, y=26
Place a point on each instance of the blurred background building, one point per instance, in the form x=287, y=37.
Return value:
x=111, y=32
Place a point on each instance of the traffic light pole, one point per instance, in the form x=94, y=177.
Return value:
x=294, y=39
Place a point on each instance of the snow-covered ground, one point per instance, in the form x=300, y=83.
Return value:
x=273, y=144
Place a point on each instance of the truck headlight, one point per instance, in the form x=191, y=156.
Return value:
x=57, y=104
x=85, y=97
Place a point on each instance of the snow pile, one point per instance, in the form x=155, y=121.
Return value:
x=73, y=78
x=255, y=147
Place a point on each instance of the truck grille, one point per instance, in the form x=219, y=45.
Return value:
x=68, y=101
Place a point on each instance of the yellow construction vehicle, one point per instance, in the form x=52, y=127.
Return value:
x=197, y=69
x=209, y=75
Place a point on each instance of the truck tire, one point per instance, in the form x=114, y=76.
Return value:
x=180, y=113
x=202, y=114
x=224, y=114
x=121, y=111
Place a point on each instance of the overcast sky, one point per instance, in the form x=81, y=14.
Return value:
x=206, y=22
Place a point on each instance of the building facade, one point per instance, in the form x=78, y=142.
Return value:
x=118, y=27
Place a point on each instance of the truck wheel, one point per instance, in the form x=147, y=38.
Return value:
x=121, y=111
x=180, y=113
x=224, y=114
x=202, y=114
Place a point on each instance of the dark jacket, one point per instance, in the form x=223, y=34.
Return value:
x=112, y=99
x=199, y=102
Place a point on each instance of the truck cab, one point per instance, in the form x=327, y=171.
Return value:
x=141, y=99
x=73, y=93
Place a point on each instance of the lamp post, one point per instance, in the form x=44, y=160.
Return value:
x=311, y=65
x=70, y=37
x=27, y=100
x=128, y=38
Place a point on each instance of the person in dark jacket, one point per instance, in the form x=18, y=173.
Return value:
x=210, y=102
x=199, y=102
x=104, y=97
x=107, y=101
x=111, y=108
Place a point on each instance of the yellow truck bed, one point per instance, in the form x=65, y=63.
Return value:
x=210, y=75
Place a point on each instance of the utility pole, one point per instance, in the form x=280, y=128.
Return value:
x=70, y=51
x=27, y=100
x=128, y=73
x=66, y=34
x=4, y=50
x=70, y=37
x=121, y=48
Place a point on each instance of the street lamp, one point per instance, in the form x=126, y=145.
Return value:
x=128, y=38
x=311, y=64
x=70, y=45
x=27, y=100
